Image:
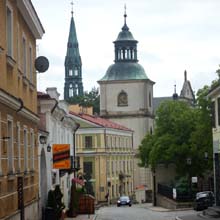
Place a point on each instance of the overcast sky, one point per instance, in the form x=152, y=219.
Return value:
x=173, y=35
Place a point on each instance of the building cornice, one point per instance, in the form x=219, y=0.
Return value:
x=16, y=105
x=126, y=81
x=30, y=16
x=109, y=115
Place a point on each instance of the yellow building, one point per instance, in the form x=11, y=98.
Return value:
x=106, y=156
x=19, y=28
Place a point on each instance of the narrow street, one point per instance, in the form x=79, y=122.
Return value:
x=138, y=212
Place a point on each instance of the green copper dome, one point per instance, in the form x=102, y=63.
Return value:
x=125, y=71
x=125, y=34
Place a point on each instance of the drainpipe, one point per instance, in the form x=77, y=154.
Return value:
x=21, y=106
x=53, y=109
x=74, y=148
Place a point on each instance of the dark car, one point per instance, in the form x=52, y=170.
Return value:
x=204, y=200
x=124, y=200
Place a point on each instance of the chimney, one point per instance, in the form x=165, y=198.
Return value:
x=52, y=92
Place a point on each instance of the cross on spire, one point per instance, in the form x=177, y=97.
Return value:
x=125, y=14
x=72, y=7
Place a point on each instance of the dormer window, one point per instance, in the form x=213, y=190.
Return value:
x=122, y=99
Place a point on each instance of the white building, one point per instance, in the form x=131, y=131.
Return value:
x=58, y=128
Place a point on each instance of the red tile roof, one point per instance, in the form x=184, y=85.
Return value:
x=100, y=121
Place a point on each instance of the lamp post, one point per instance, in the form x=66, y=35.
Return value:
x=189, y=163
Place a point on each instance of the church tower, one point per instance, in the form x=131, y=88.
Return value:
x=73, y=65
x=126, y=94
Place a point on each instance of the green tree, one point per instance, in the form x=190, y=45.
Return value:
x=88, y=99
x=181, y=132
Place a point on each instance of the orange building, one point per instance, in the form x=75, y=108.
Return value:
x=19, y=28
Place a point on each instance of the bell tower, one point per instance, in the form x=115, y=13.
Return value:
x=73, y=65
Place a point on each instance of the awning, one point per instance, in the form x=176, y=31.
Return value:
x=79, y=181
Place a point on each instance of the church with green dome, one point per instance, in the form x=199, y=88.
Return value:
x=126, y=95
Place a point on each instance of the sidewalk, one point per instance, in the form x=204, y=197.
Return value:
x=83, y=217
x=194, y=217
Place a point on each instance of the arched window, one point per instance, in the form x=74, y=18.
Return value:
x=76, y=72
x=76, y=89
x=122, y=99
x=71, y=90
x=70, y=72
x=150, y=99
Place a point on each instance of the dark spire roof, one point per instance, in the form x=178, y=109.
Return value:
x=72, y=45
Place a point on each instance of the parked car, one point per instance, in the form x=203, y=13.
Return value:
x=204, y=200
x=124, y=200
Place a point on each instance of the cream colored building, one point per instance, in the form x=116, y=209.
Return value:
x=126, y=96
x=106, y=154
x=19, y=27
x=214, y=95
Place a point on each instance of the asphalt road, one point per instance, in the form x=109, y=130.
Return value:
x=138, y=212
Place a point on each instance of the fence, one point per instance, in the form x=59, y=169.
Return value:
x=168, y=192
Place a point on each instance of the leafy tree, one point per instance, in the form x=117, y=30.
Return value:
x=181, y=132
x=88, y=99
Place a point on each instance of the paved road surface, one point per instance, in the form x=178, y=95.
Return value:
x=138, y=212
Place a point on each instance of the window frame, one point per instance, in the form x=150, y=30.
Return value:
x=88, y=142
x=25, y=143
x=9, y=35
x=10, y=144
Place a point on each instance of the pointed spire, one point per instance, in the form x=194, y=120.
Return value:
x=185, y=75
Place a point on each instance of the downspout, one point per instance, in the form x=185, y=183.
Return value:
x=105, y=165
x=74, y=148
x=21, y=106
x=53, y=109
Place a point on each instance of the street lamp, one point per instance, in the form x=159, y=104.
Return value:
x=43, y=139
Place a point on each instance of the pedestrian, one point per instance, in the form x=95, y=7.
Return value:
x=106, y=196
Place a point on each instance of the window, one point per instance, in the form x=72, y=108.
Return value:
x=9, y=31
x=70, y=72
x=76, y=72
x=150, y=99
x=122, y=99
x=71, y=90
x=30, y=64
x=32, y=149
x=18, y=140
x=25, y=151
x=10, y=145
x=87, y=168
x=24, y=56
x=88, y=141
x=76, y=89
x=18, y=46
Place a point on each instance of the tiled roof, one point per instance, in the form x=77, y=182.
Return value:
x=101, y=121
